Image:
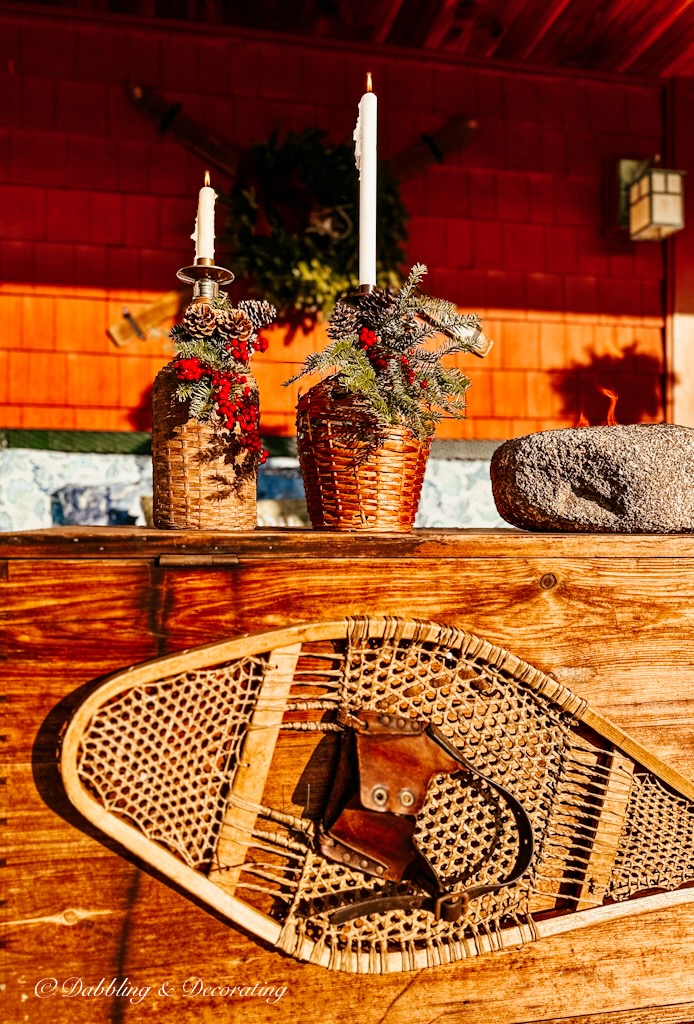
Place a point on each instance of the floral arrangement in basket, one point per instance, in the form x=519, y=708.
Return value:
x=215, y=342
x=381, y=351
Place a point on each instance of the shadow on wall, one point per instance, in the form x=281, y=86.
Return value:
x=140, y=418
x=637, y=379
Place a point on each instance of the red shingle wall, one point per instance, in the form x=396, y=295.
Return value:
x=96, y=210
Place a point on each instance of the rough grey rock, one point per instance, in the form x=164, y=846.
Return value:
x=623, y=479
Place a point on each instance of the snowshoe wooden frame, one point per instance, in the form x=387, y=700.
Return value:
x=178, y=760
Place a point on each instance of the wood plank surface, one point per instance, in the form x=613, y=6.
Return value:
x=682, y=1014
x=616, y=624
x=135, y=542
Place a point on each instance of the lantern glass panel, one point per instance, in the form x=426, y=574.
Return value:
x=657, y=181
x=639, y=215
x=667, y=209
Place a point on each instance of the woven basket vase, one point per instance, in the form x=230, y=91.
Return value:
x=350, y=483
x=196, y=468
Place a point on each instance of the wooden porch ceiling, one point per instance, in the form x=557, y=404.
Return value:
x=640, y=37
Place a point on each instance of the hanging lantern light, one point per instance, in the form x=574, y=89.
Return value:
x=655, y=199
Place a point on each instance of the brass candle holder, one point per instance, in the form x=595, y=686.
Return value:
x=206, y=277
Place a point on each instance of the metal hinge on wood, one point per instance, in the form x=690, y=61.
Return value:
x=197, y=561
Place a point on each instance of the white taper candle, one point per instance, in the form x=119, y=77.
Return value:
x=203, y=235
x=365, y=152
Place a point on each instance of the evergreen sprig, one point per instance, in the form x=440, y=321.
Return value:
x=214, y=345
x=382, y=347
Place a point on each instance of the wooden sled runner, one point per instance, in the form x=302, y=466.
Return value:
x=216, y=767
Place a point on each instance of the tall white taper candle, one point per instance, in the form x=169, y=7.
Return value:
x=203, y=235
x=365, y=150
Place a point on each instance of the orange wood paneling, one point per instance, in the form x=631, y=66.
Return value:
x=92, y=380
x=39, y=378
x=11, y=322
x=82, y=324
x=39, y=323
x=103, y=419
x=41, y=417
x=512, y=226
x=10, y=416
x=4, y=374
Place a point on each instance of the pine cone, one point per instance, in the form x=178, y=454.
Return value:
x=374, y=307
x=200, y=320
x=344, y=321
x=236, y=324
x=259, y=312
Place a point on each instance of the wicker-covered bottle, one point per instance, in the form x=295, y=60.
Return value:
x=204, y=479
x=357, y=475
x=365, y=432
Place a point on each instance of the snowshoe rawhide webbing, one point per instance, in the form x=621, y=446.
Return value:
x=217, y=767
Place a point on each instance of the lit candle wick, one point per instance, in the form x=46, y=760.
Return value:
x=369, y=86
x=204, y=222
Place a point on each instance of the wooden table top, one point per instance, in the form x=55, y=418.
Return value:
x=136, y=542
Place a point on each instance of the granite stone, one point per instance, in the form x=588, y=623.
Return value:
x=636, y=478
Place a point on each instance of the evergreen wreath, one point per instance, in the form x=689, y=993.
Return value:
x=292, y=223
x=215, y=343
x=381, y=350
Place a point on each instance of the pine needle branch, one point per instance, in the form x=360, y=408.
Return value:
x=381, y=347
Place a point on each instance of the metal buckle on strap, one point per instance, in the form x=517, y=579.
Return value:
x=451, y=905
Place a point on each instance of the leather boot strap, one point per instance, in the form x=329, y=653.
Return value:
x=386, y=765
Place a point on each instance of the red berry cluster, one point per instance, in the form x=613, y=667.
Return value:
x=191, y=369
x=368, y=343
x=241, y=351
x=407, y=369
x=234, y=400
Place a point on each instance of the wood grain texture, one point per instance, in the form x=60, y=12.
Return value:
x=606, y=840
x=617, y=627
x=255, y=762
x=682, y=1014
x=133, y=542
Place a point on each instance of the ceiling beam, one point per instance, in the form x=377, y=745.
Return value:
x=386, y=14
x=574, y=37
x=680, y=65
x=659, y=25
x=441, y=24
x=529, y=26
x=506, y=15
x=547, y=21
x=673, y=52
